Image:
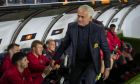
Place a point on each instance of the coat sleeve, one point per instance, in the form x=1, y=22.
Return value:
x=104, y=46
x=64, y=44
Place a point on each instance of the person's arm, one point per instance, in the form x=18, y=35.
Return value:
x=64, y=45
x=105, y=48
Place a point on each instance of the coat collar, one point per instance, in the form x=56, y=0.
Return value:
x=92, y=31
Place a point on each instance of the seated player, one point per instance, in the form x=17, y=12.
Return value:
x=7, y=62
x=18, y=73
x=38, y=63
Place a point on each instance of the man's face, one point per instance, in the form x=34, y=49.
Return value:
x=23, y=63
x=83, y=17
x=52, y=45
x=15, y=49
x=38, y=49
x=113, y=29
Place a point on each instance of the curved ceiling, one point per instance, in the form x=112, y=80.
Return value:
x=37, y=25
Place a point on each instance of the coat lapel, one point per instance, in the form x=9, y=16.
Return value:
x=75, y=35
x=74, y=42
x=92, y=36
x=92, y=41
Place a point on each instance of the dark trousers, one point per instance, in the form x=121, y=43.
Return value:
x=84, y=72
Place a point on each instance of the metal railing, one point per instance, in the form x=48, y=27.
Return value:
x=21, y=2
x=36, y=2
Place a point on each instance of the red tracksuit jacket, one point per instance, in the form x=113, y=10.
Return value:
x=13, y=76
x=7, y=63
x=113, y=40
x=37, y=65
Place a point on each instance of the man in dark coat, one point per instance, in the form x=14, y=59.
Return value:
x=86, y=38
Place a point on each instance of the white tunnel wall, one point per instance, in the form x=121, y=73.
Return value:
x=95, y=14
x=7, y=29
x=118, y=17
x=106, y=16
x=35, y=25
x=62, y=23
x=131, y=24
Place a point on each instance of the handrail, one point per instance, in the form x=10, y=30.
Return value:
x=42, y=5
x=36, y=4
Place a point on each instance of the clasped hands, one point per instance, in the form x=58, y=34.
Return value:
x=50, y=67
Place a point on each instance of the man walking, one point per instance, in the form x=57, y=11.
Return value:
x=86, y=39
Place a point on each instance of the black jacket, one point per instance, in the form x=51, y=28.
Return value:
x=97, y=40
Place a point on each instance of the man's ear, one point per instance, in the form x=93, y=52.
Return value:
x=47, y=45
x=18, y=62
x=10, y=51
x=33, y=48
